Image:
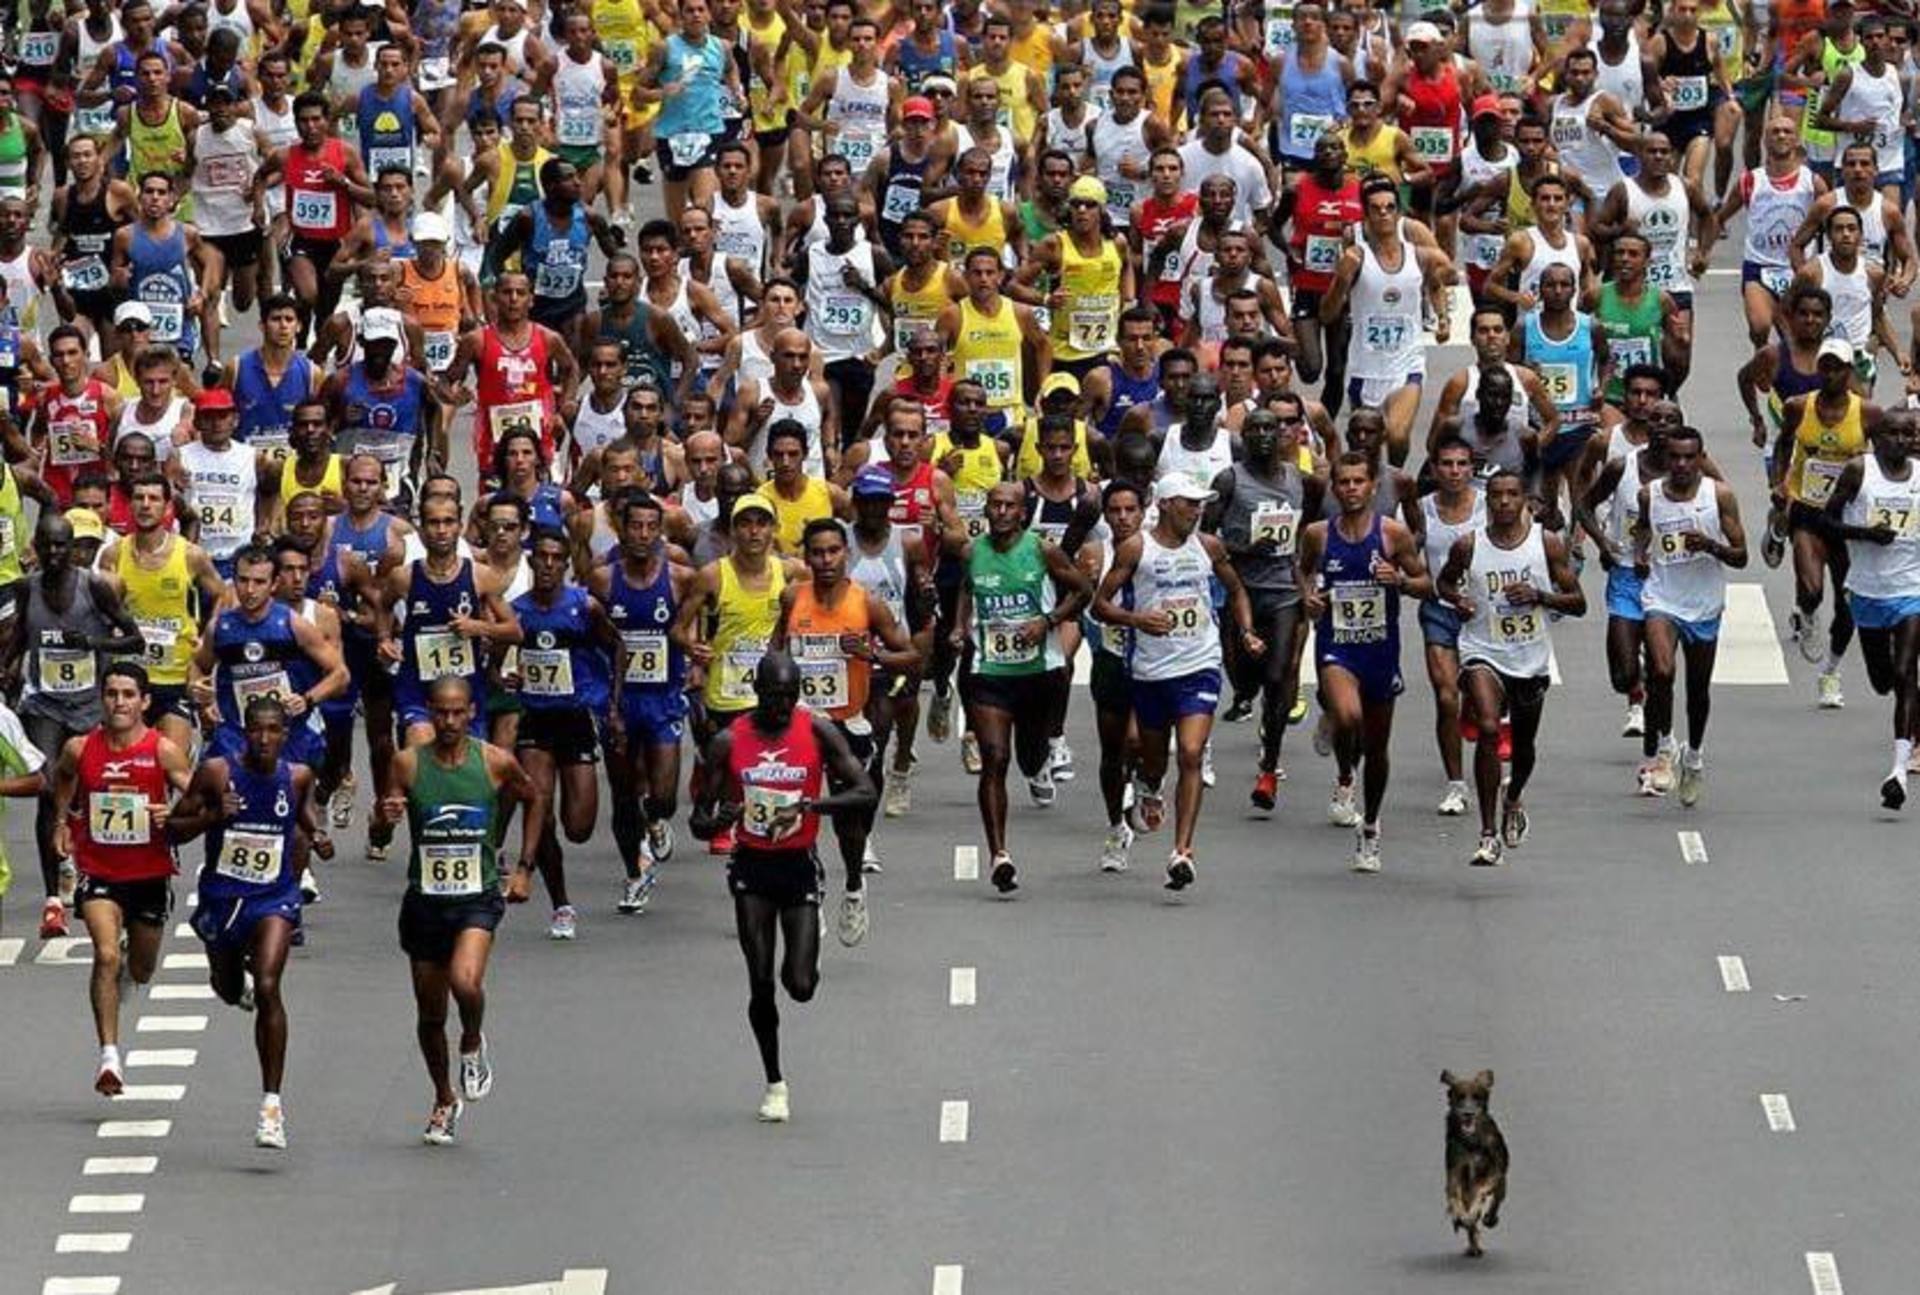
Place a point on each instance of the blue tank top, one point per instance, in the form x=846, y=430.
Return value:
x=916, y=67
x=1360, y=629
x=557, y=261
x=561, y=667
x=386, y=131
x=381, y=423
x=1314, y=102
x=303, y=672
x=701, y=70
x=160, y=279
x=255, y=659
x=1193, y=77
x=502, y=107
x=199, y=82
x=1128, y=391
x=266, y=409
x=654, y=664
x=122, y=77
x=382, y=241
x=324, y=579
x=1565, y=368
x=544, y=511
x=251, y=854
x=429, y=650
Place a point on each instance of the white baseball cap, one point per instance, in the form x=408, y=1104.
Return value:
x=1178, y=485
x=381, y=323
x=430, y=227
x=133, y=312
x=1423, y=31
x=1838, y=347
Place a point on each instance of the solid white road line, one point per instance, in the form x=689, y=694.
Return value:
x=1733, y=974
x=10, y=951
x=80, y=1286
x=170, y=1025
x=92, y=1243
x=962, y=986
x=151, y=1093
x=1823, y=1272
x=948, y=1279
x=124, y=1203
x=184, y=931
x=184, y=962
x=180, y=993
x=1693, y=847
x=135, y=1128
x=67, y=951
x=97, y=1166
x=953, y=1121
x=1779, y=1113
x=175, y=1058
x=966, y=863
x=1749, y=644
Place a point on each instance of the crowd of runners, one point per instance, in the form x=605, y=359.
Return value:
x=978, y=348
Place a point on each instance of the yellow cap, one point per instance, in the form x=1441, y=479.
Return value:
x=1089, y=188
x=86, y=524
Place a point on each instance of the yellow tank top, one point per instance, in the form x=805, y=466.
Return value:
x=516, y=180
x=915, y=308
x=330, y=486
x=1016, y=110
x=301, y=11
x=123, y=380
x=1034, y=50
x=792, y=515
x=1163, y=83
x=13, y=525
x=1519, y=201
x=1727, y=37
x=1027, y=462
x=964, y=234
x=1821, y=452
x=1087, y=326
x=743, y=623
x=759, y=94
x=618, y=24
x=979, y=472
x=1378, y=156
x=987, y=351
x=161, y=602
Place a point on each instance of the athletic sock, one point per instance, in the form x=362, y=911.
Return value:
x=270, y=1099
x=1902, y=753
x=109, y=1057
x=1831, y=665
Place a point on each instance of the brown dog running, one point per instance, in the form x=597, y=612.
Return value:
x=1476, y=1158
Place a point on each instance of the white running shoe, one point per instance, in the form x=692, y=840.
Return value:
x=1806, y=632
x=1366, y=850
x=340, y=804
x=271, y=1131
x=1893, y=791
x=442, y=1125
x=870, y=860
x=635, y=892
x=1060, y=759
x=773, y=1107
x=245, y=1002
x=565, y=924
x=1693, y=778
x=1207, y=776
x=1636, y=722
x=1664, y=764
x=970, y=753
x=1829, y=696
x=476, y=1072
x=1041, y=787
x=660, y=840
x=1113, y=854
x=1179, y=870
x=853, y=918
x=376, y=853
x=1488, y=855
x=1514, y=825
x=1342, y=808
x=899, y=795
x=309, y=887
x=1454, y=802
x=1148, y=811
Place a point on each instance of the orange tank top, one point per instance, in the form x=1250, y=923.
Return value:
x=830, y=680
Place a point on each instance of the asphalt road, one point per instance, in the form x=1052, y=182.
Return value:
x=1235, y=1091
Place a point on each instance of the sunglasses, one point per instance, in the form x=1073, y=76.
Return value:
x=133, y=328
x=1082, y=202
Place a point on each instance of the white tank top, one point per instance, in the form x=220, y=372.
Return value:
x=842, y=323
x=1682, y=585
x=1622, y=80
x=701, y=511
x=515, y=46
x=1583, y=150
x=1202, y=465
x=593, y=430
x=1482, y=250
x=738, y=232
x=1441, y=533
x=1878, y=100
x=1510, y=638
x=1385, y=308
x=1773, y=215
x=236, y=20
x=223, y=169
x=23, y=294
x=755, y=363
x=1873, y=226
x=1503, y=50
x=1115, y=142
x=1178, y=581
x=1625, y=500
x=860, y=112
x=884, y=573
x=721, y=285
x=1546, y=254
x=159, y=431
x=1664, y=221
x=1885, y=570
x=1852, y=300
x=577, y=91
x=1000, y=180
x=95, y=119
x=221, y=488
x=1100, y=70
x=804, y=411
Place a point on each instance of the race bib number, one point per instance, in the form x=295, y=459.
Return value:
x=442, y=654
x=1113, y=639
x=1516, y=625
x=275, y=685
x=1629, y=351
x=1895, y=513
x=1359, y=611
x=1275, y=524
x=1663, y=273
x=1562, y=382
x=688, y=150
x=1670, y=542
x=996, y=379
x=761, y=805
x=646, y=656
x=579, y=125
x=312, y=209
x=1483, y=250
x=623, y=54
x=556, y=278
x=823, y=682
x=1002, y=644
x=844, y=312
x=1386, y=334
x=1726, y=40
x=1776, y=279
x=1817, y=480
x=904, y=327
x=1190, y=613
x=1120, y=198
x=736, y=671
x=95, y=119
x=88, y=274
x=221, y=517
x=1304, y=130
x=252, y=857
x=972, y=509
x=1689, y=93
x=157, y=639
x=439, y=348
x=1569, y=130
x=449, y=870
x=857, y=147
x=169, y=318
x=66, y=671
x=1090, y=330
x=64, y=443
x=1323, y=253
x=525, y=414
x=118, y=818
x=1279, y=31
x=37, y=48
x=901, y=201
x=228, y=172
x=1433, y=144
x=546, y=672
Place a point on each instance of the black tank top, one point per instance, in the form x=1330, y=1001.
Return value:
x=1697, y=62
x=89, y=229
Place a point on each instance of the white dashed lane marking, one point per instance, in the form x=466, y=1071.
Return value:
x=180, y=993
x=174, y=1058
x=67, y=951
x=966, y=863
x=135, y=1128
x=1823, y=1272
x=81, y=1286
x=962, y=987
x=123, y=1203
x=1693, y=847
x=954, y=1119
x=92, y=1243
x=99, y=1166
x=151, y=1093
x=948, y=1279
x=10, y=951
x=184, y=962
x=1733, y=974
x=170, y=1025
x=1779, y=1112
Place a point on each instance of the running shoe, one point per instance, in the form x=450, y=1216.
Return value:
x=660, y=840
x=1514, y=825
x=642, y=173
x=1342, y=809
x=1829, y=696
x=1366, y=850
x=1806, y=632
x=1041, y=787
x=1453, y=803
x=853, y=918
x=376, y=853
x=636, y=892
x=1060, y=757
x=1693, y=779
x=1299, y=711
x=441, y=1125
x=870, y=860
x=1179, y=870
x=1005, y=877
x=899, y=794
x=721, y=843
x=1266, y=792
x=1648, y=776
x=340, y=804
x=773, y=1106
x=1113, y=854
x=1239, y=712
x=940, y=715
x=271, y=1131
x=309, y=887
x=1323, y=736
x=1636, y=721
x=1489, y=853
x=108, y=1082
x=245, y=1002
x=53, y=919
x=476, y=1072
x=970, y=753
x=565, y=923
x=1663, y=769
x=1208, y=776
x=1149, y=810
x=1773, y=549
x=1893, y=792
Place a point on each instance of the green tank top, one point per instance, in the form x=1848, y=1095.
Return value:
x=13, y=525
x=13, y=159
x=159, y=148
x=450, y=815
x=1008, y=589
x=1633, y=332
x=1832, y=59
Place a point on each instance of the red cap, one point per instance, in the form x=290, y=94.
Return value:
x=1487, y=105
x=213, y=398
x=917, y=106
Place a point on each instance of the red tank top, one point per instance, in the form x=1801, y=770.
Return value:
x=938, y=403
x=1436, y=102
x=115, y=839
x=513, y=389
x=913, y=498
x=85, y=413
x=1320, y=218
x=1153, y=220
x=316, y=209
x=776, y=771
